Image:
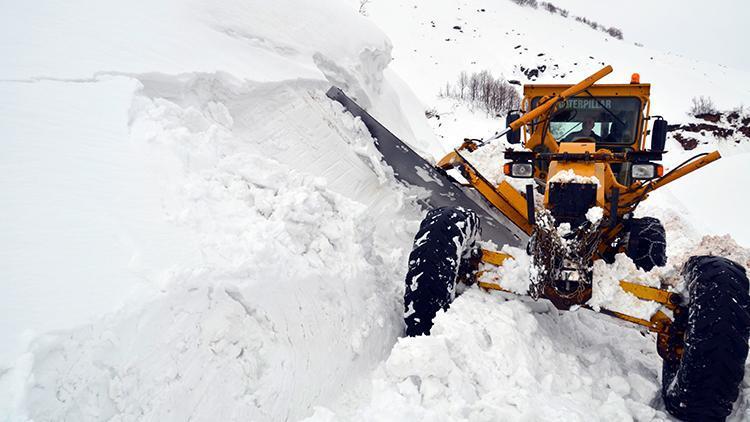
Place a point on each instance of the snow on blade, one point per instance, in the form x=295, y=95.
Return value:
x=570, y=176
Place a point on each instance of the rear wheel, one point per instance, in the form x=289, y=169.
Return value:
x=647, y=244
x=444, y=244
x=704, y=383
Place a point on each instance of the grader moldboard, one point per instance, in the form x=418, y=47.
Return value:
x=585, y=147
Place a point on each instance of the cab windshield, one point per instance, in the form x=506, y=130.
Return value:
x=608, y=120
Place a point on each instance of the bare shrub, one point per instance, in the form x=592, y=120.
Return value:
x=588, y=22
x=737, y=111
x=703, y=105
x=614, y=32
x=611, y=31
x=551, y=8
x=554, y=9
x=528, y=3
x=481, y=89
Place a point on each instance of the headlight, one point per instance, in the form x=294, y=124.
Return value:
x=523, y=170
x=646, y=171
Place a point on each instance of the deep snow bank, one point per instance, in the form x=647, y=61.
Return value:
x=263, y=239
x=295, y=293
x=82, y=224
x=283, y=320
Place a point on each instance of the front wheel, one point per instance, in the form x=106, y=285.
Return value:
x=704, y=383
x=445, y=242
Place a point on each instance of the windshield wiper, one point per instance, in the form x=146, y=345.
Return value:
x=605, y=107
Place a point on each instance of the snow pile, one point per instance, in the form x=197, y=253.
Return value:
x=514, y=275
x=594, y=215
x=298, y=280
x=290, y=271
x=490, y=359
x=607, y=293
x=497, y=356
x=570, y=176
x=256, y=233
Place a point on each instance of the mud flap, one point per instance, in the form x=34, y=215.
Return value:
x=415, y=171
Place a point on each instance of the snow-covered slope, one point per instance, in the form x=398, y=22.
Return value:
x=435, y=41
x=193, y=231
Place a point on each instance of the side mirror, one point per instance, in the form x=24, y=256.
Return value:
x=659, y=134
x=514, y=137
x=646, y=171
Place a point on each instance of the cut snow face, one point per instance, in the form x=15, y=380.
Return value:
x=292, y=258
x=256, y=221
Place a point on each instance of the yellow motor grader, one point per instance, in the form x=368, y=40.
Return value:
x=587, y=153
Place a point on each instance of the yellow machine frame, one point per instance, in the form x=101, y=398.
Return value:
x=508, y=201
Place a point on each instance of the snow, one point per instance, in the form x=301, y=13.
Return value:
x=594, y=215
x=607, y=293
x=720, y=201
x=570, y=176
x=82, y=225
x=514, y=275
x=185, y=224
x=192, y=230
x=497, y=359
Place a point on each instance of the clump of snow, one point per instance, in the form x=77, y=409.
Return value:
x=488, y=159
x=570, y=176
x=514, y=275
x=607, y=293
x=724, y=246
x=563, y=229
x=594, y=215
x=517, y=272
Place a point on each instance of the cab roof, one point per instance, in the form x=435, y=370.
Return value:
x=604, y=90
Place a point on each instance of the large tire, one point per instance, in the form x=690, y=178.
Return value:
x=444, y=243
x=647, y=243
x=704, y=384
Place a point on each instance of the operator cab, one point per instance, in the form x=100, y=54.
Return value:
x=610, y=115
x=610, y=121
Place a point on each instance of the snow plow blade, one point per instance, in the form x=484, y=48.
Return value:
x=412, y=169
